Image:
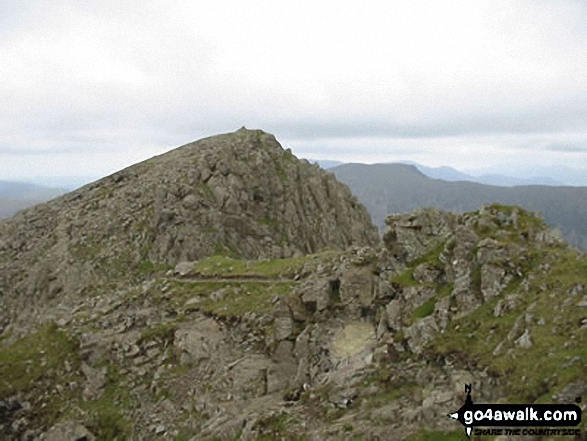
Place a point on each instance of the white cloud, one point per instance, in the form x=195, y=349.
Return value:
x=444, y=82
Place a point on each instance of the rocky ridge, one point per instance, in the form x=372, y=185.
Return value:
x=362, y=344
x=238, y=194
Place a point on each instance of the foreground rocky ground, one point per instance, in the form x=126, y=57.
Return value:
x=363, y=344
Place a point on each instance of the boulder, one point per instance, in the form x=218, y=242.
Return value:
x=68, y=431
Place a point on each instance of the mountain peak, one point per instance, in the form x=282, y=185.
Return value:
x=239, y=194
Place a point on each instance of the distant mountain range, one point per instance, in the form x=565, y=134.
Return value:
x=451, y=174
x=16, y=196
x=400, y=188
x=68, y=183
x=504, y=176
x=389, y=188
x=325, y=164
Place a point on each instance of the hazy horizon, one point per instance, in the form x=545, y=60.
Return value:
x=559, y=176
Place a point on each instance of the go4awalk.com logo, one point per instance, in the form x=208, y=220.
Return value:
x=535, y=419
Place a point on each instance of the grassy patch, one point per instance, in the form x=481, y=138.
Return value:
x=405, y=279
x=35, y=364
x=245, y=297
x=234, y=299
x=476, y=279
x=26, y=364
x=147, y=267
x=221, y=265
x=105, y=418
x=204, y=190
x=426, y=309
x=444, y=290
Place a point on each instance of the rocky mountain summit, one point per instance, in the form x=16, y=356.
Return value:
x=238, y=194
x=358, y=340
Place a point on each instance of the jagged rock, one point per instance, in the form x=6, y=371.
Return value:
x=249, y=349
x=421, y=333
x=438, y=398
x=198, y=341
x=68, y=431
x=281, y=373
x=394, y=314
x=357, y=287
x=525, y=341
x=382, y=328
x=578, y=288
x=249, y=376
x=410, y=236
x=315, y=294
x=505, y=305
x=415, y=296
x=283, y=322
x=490, y=250
x=498, y=349
x=184, y=268
x=515, y=331
x=94, y=347
x=426, y=273
x=442, y=312
x=570, y=393
x=493, y=281
x=95, y=381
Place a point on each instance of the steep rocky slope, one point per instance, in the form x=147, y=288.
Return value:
x=238, y=194
x=362, y=344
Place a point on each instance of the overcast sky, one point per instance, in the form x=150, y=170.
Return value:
x=87, y=88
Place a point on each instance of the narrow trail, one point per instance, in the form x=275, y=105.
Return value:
x=235, y=279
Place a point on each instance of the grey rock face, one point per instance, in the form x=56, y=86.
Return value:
x=240, y=193
x=453, y=253
x=410, y=236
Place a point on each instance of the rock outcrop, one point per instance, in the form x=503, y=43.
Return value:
x=238, y=194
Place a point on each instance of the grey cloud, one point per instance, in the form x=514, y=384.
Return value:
x=192, y=83
x=14, y=151
x=568, y=148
